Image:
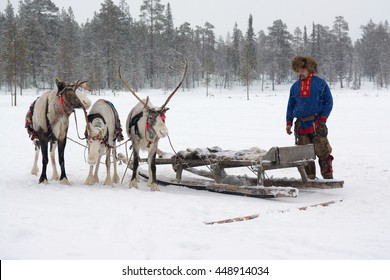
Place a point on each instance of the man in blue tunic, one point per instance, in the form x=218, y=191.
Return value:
x=310, y=103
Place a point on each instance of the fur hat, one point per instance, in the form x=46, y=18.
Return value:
x=304, y=62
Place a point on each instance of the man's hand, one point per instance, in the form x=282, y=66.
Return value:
x=288, y=129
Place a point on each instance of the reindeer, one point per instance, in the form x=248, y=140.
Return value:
x=145, y=126
x=47, y=121
x=103, y=130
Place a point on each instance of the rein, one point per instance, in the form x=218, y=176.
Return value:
x=149, y=127
x=77, y=127
x=150, y=142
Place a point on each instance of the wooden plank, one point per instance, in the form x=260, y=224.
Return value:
x=192, y=184
x=296, y=153
x=254, y=191
x=225, y=162
x=289, y=154
x=282, y=182
x=299, y=184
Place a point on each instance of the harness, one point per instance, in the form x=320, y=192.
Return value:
x=29, y=122
x=118, y=136
x=134, y=122
x=90, y=118
x=62, y=101
x=148, y=127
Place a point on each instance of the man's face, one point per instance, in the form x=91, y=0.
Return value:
x=303, y=74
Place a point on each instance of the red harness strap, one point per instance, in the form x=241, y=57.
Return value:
x=62, y=104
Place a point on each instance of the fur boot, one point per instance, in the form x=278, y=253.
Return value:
x=326, y=167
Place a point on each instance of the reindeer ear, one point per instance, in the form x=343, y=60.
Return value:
x=60, y=85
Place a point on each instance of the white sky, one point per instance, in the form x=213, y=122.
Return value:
x=224, y=13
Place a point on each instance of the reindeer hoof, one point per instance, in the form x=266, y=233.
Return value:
x=133, y=184
x=154, y=187
x=64, y=181
x=34, y=171
x=89, y=181
x=116, y=179
x=108, y=182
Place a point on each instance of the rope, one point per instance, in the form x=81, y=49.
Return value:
x=77, y=127
x=77, y=142
x=123, y=144
x=85, y=147
x=170, y=143
x=128, y=161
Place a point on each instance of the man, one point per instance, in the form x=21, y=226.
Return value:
x=311, y=102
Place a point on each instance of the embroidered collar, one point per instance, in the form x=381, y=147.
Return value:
x=305, y=86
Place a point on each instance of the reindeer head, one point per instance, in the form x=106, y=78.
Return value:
x=71, y=97
x=155, y=116
x=96, y=139
x=155, y=119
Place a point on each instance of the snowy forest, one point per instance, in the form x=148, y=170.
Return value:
x=40, y=42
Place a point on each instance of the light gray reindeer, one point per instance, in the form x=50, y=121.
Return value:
x=47, y=121
x=145, y=125
x=103, y=130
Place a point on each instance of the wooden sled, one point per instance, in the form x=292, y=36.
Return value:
x=217, y=180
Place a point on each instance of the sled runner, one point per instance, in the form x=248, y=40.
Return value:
x=259, y=161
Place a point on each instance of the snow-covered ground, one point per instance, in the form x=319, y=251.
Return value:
x=55, y=221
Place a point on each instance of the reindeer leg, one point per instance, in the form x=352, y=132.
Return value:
x=133, y=183
x=61, y=152
x=108, y=180
x=53, y=146
x=96, y=174
x=90, y=180
x=115, y=176
x=35, y=169
x=45, y=160
x=152, y=182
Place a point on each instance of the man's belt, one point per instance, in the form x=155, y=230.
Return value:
x=309, y=118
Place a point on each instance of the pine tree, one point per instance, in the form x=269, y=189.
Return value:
x=248, y=58
x=368, y=50
x=9, y=51
x=153, y=18
x=69, y=48
x=13, y=53
x=297, y=42
x=342, y=48
x=207, y=53
x=237, y=39
x=280, y=47
x=40, y=28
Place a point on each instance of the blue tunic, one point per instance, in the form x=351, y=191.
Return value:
x=315, y=106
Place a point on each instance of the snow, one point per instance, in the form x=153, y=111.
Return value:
x=98, y=222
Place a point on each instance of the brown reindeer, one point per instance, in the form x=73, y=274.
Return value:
x=47, y=122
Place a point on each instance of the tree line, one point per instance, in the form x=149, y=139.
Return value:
x=41, y=42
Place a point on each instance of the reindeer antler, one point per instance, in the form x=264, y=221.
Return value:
x=86, y=120
x=82, y=85
x=131, y=90
x=185, y=70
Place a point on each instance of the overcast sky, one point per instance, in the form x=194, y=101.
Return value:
x=223, y=14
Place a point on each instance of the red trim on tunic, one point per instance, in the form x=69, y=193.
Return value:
x=323, y=119
x=311, y=129
x=305, y=86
